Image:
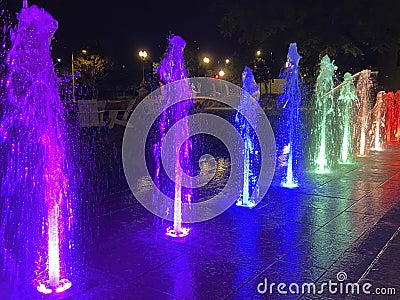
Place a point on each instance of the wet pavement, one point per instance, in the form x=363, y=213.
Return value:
x=342, y=226
x=346, y=221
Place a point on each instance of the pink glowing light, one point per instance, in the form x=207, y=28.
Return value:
x=36, y=110
x=172, y=68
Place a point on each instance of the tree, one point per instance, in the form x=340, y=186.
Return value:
x=355, y=33
x=92, y=68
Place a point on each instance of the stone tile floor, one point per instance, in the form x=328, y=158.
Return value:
x=346, y=221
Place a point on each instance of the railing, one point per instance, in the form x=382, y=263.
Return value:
x=94, y=113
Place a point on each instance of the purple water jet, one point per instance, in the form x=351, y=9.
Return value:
x=172, y=69
x=37, y=210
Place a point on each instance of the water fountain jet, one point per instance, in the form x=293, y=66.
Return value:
x=290, y=125
x=249, y=86
x=397, y=112
x=35, y=176
x=378, y=125
x=324, y=115
x=346, y=99
x=390, y=121
x=172, y=69
x=363, y=109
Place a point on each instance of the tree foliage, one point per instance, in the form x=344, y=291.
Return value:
x=92, y=68
x=342, y=29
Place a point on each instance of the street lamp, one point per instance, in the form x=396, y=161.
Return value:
x=84, y=51
x=227, y=61
x=221, y=73
x=143, y=56
x=258, y=53
x=206, y=60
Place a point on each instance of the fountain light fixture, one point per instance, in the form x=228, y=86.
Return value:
x=182, y=232
x=46, y=288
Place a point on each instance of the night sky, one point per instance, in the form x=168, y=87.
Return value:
x=120, y=28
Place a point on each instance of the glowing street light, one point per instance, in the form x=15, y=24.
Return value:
x=143, y=55
x=258, y=53
x=227, y=61
x=221, y=73
x=206, y=60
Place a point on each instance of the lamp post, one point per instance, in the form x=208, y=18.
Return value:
x=84, y=51
x=143, y=56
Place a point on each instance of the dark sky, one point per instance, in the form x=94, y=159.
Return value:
x=120, y=28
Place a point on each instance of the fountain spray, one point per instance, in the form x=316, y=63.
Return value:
x=345, y=113
x=172, y=69
x=35, y=184
x=390, y=121
x=250, y=86
x=378, y=125
x=363, y=109
x=324, y=116
x=397, y=112
x=290, y=124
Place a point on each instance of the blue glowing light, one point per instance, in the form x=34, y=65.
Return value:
x=290, y=129
x=250, y=86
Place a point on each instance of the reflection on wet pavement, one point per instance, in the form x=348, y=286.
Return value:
x=334, y=223
x=343, y=221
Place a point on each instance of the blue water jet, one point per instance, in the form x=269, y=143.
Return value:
x=249, y=86
x=290, y=129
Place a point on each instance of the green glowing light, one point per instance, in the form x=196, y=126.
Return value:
x=324, y=115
